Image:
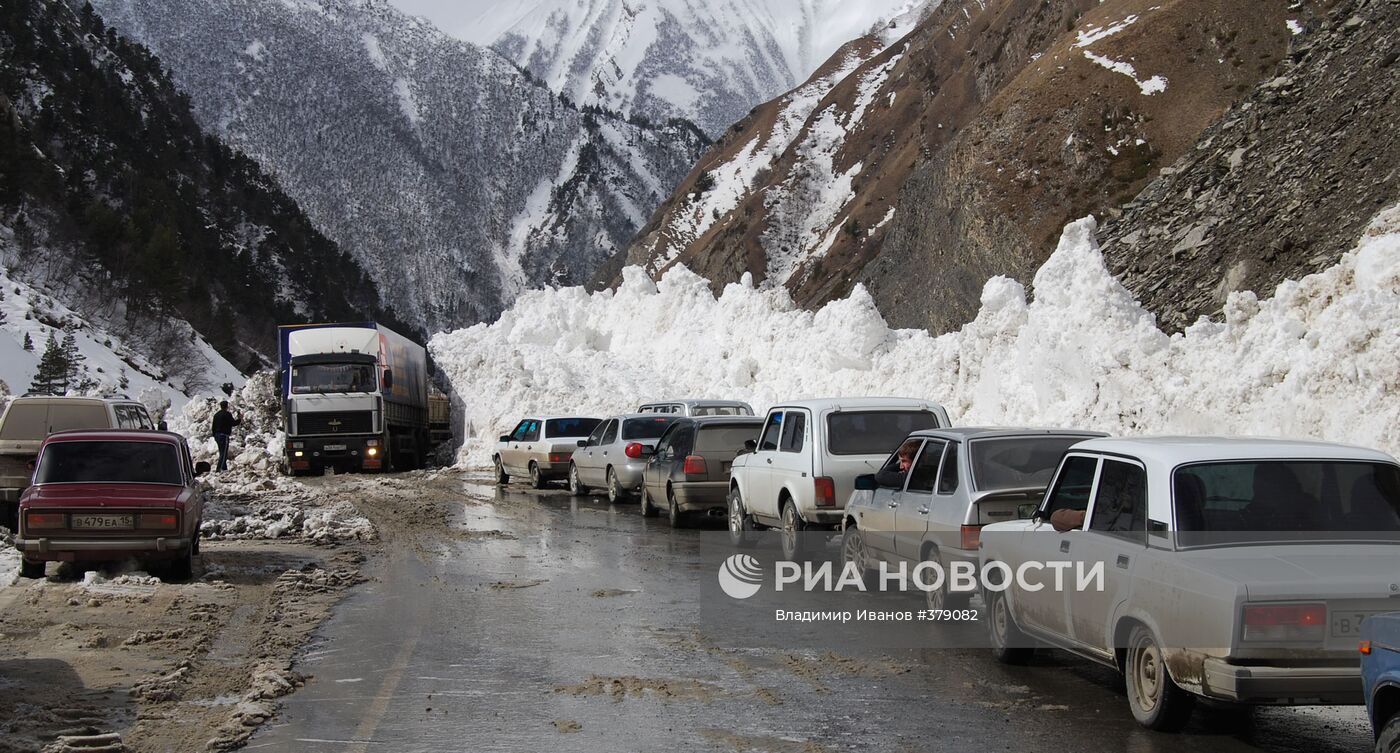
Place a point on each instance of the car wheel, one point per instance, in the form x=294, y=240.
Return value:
x=1157, y=702
x=502, y=478
x=741, y=523
x=854, y=553
x=576, y=487
x=536, y=480
x=194, y=543
x=1388, y=741
x=615, y=492
x=28, y=569
x=794, y=540
x=943, y=598
x=673, y=511
x=1009, y=644
x=182, y=568
x=648, y=509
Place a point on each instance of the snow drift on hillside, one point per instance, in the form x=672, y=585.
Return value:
x=1321, y=358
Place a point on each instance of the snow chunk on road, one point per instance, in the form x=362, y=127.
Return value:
x=1321, y=358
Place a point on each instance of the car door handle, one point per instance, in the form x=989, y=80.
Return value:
x=894, y=505
x=923, y=511
x=1123, y=561
x=1064, y=546
x=770, y=461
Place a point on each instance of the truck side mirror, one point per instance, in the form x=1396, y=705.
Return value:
x=388, y=379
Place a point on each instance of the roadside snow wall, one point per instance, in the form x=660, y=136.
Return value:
x=1321, y=358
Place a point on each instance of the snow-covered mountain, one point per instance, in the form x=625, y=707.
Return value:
x=706, y=61
x=453, y=178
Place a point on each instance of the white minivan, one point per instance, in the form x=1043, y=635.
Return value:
x=802, y=468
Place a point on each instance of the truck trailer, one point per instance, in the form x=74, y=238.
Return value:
x=354, y=398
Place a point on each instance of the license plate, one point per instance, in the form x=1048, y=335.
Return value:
x=102, y=521
x=334, y=448
x=1348, y=624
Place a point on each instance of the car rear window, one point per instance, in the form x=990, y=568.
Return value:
x=1017, y=462
x=109, y=462
x=721, y=410
x=725, y=437
x=570, y=427
x=25, y=421
x=646, y=428
x=65, y=416
x=873, y=432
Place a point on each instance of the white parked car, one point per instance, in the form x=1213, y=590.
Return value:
x=698, y=408
x=1234, y=569
x=541, y=448
x=615, y=455
x=802, y=468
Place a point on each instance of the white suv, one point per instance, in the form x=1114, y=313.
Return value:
x=802, y=469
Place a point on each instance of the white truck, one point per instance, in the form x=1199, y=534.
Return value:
x=802, y=468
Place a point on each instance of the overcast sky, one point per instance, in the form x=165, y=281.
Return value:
x=452, y=16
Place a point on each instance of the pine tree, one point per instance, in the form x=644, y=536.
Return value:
x=73, y=358
x=28, y=343
x=51, y=378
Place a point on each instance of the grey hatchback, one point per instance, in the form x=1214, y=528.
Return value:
x=690, y=467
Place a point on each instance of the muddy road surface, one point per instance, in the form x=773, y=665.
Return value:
x=520, y=620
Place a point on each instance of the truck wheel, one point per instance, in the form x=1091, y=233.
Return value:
x=1009, y=644
x=741, y=523
x=576, y=487
x=29, y=569
x=853, y=552
x=616, y=493
x=502, y=478
x=649, y=510
x=1157, y=702
x=1388, y=741
x=536, y=480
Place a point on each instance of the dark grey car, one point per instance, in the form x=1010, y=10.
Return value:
x=689, y=471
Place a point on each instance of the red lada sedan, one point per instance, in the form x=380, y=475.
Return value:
x=112, y=495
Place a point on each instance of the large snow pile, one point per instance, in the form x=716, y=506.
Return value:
x=1321, y=358
x=255, y=450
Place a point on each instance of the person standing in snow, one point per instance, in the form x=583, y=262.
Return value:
x=223, y=428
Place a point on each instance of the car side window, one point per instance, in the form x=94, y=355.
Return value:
x=925, y=470
x=663, y=445
x=610, y=432
x=596, y=438
x=794, y=431
x=1073, y=485
x=518, y=434
x=1120, y=504
x=768, y=440
x=532, y=431
x=948, y=476
x=683, y=440
x=143, y=419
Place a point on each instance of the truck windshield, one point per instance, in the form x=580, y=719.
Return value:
x=873, y=432
x=1284, y=500
x=109, y=463
x=315, y=378
x=1016, y=462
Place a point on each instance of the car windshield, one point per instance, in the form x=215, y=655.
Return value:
x=725, y=437
x=109, y=462
x=873, y=432
x=313, y=378
x=1016, y=462
x=570, y=427
x=646, y=428
x=1273, y=500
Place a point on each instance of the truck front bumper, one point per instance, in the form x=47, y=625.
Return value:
x=67, y=550
x=1291, y=686
x=354, y=452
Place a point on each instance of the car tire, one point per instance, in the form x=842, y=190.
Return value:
x=942, y=598
x=853, y=551
x=1157, y=702
x=615, y=493
x=741, y=523
x=536, y=480
x=182, y=567
x=502, y=478
x=194, y=543
x=1009, y=644
x=576, y=487
x=673, y=511
x=795, y=545
x=649, y=510
x=35, y=570
x=1388, y=741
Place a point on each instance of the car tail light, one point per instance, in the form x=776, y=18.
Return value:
x=45, y=520
x=560, y=457
x=695, y=466
x=826, y=491
x=971, y=537
x=1365, y=648
x=1285, y=622
x=633, y=450
x=158, y=521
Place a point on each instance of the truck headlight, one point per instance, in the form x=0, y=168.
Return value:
x=372, y=451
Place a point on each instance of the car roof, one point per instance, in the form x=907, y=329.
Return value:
x=650, y=416
x=1175, y=450
x=695, y=401
x=66, y=399
x=114, y=435
x=856, y=403
x=561, y=417
x=702, y=420
x=959, y=433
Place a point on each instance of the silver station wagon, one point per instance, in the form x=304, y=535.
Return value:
x=953, y=482
x=1235, y=569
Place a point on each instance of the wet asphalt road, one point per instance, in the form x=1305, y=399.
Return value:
x=510, y=638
